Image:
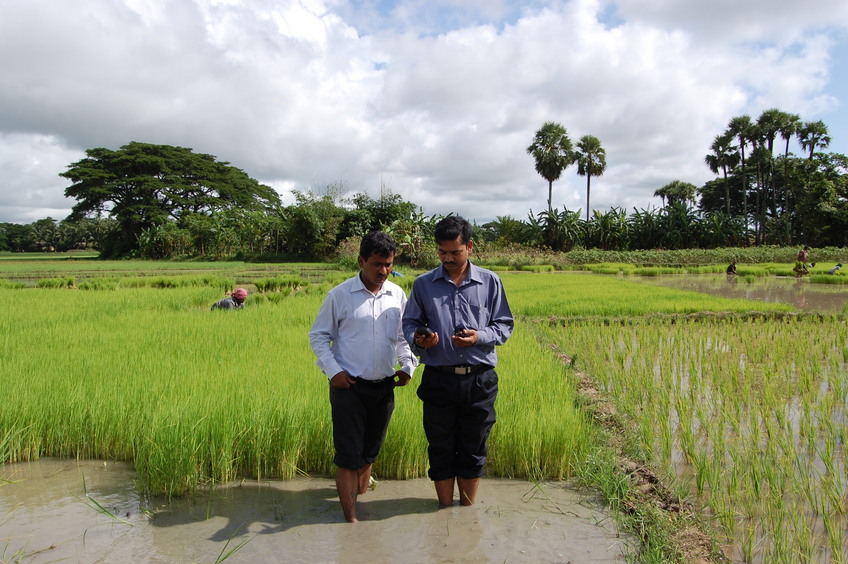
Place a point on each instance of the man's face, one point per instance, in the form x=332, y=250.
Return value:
x=454, y=254
x=375, y=270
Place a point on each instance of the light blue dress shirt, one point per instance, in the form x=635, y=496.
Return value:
x=360, y=333
x=479, y=303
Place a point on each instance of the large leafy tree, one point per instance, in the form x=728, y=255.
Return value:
x=591, y=161
x=143, y=185
x=552, y=151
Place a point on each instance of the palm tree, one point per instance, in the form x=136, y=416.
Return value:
x=813, y=135
x=770, y=123
x=591, y=161
x=743, y=129
x=677, y=192
x=551, y=148
x=723, y=156
x=788, y=128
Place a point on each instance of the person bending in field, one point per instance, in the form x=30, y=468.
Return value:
x=235, y=301
x=835, y=269
x=801, y=262
x=358, y=341
x=731, y=269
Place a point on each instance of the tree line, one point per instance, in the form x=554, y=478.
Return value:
x=159, y=201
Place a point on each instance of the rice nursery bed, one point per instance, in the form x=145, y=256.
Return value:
x=745, y=414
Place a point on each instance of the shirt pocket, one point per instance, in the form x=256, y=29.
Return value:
x=388, y=322
x=480, y=314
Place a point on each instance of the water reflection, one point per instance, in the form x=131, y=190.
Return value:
x=46, y=515
x=802, y=294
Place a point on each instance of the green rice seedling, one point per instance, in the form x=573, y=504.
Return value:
x=226, y=552
x=657, y=270
x=610, y=268
x=150, y=375
x=742, y=399
x=278, y=284
x=552, y=441
x=99, y=284
x=11, y=284
x=571, y=295
x=837, y=278
x=537, y=268
x=707, y=269
x=63, y=282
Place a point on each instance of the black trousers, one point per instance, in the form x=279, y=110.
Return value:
x=361, y=416
x=459, y=411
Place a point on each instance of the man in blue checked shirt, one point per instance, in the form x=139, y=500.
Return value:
x=456, y=315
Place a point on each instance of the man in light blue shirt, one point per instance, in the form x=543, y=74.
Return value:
x=457, y=314
x=358, y=339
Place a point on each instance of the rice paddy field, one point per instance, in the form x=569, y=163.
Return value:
x=740, y=406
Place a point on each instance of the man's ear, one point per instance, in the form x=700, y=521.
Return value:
x=470, y=245
x=361, y=261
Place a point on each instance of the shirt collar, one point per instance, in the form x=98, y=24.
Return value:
x=359, y=286
x=472, y=276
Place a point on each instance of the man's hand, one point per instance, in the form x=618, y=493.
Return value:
x=469, y=340
x=402, y=378
x=425, y=342
x=342, y=380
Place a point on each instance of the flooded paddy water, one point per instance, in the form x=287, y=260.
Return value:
x=88, y=511
x=800, y=293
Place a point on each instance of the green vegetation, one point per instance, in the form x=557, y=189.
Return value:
x=143, y=186
x=573, y=295
x=751, y=429
x=146, y=373
x=739, y=406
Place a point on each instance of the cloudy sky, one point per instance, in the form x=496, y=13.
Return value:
x=434, y=100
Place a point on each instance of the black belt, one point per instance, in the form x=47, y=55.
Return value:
x=462, y=369
x=374, y=382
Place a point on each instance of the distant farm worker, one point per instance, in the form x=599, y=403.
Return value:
x=456, y=316
x=235, y=301
x=731, y=269
x=835, y=269
x=801, y=262
x=358, y=340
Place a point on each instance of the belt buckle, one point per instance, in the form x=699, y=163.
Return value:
x=462, y=370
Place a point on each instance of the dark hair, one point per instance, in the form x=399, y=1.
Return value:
x=451, y=227
x=377, y=243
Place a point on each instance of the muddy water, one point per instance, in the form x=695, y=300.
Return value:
x=804, y=295
x=58, y=510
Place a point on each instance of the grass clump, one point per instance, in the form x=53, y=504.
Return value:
x=285, y=283
x=61, y=282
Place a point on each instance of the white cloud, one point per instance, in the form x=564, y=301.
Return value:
x=29, y=186
x=437, y=100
